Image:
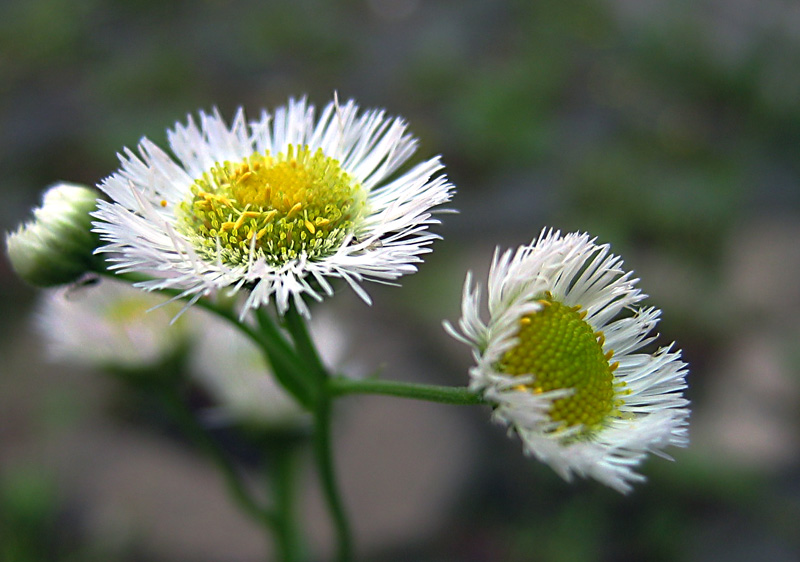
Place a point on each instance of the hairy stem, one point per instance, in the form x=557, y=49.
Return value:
x=340, y=386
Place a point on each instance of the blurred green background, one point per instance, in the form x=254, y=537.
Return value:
x=669, y=129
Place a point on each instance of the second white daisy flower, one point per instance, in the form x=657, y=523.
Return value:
x=561, y=359
x=277, y=206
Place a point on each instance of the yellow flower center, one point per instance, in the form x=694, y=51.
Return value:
x=296, y=203
x=562, y=351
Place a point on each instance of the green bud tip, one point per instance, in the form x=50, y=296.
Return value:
x=57, y=246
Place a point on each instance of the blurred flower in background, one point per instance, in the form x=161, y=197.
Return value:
x=237, y=377
x=109, y=324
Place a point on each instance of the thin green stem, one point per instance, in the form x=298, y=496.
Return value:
x=287, y=366
x=192, y=428
x=296, y=325
x=230, y=316
x=301, y=373
x=267, y=337
x=224, y=312
x=281, y=457
x=324, y=455
x=340, y=386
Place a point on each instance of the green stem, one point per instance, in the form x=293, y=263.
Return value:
x=286, y=364
x=192, y=428
x=306, y=349
x=340, y=386
x=281, y=464
x=325, y=465
x=268, y=338
x=226, y=313
x=300, y=371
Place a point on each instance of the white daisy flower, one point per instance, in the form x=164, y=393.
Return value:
x=111, y=325
x=277, y=206
x=561, y=360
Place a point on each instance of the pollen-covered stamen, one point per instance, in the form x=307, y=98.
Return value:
x=562, y=351
x=296, y=203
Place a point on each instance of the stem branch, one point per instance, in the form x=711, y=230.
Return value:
x=324, y=455
x=192, y=428
x=340, y=386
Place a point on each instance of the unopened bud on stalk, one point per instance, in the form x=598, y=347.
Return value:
x=57, y=246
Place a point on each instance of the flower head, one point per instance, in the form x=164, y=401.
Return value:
x=561, y=359
x=56, y=247
x=277, y=206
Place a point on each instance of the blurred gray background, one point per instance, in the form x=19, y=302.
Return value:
x=668, y=128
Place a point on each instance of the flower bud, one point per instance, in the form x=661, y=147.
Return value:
x=57, y=246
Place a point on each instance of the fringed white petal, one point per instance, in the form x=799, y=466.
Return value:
x=576, y=271
x=139, y=225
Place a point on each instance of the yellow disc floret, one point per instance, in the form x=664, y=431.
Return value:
x=560, y=350
x=275, y=207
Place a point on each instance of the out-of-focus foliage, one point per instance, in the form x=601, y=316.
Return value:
x=35, y=528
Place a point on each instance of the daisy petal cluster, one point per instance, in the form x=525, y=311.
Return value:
x=277, y=206
x=561, y=359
